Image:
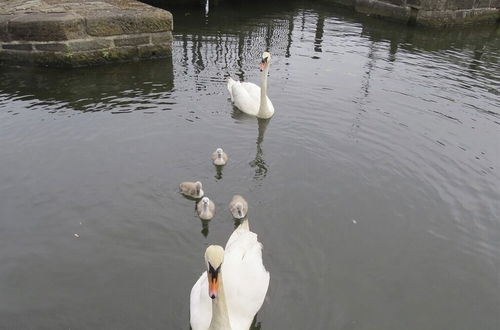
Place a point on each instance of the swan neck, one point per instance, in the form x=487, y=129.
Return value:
x=220, y=315
x=263, y=90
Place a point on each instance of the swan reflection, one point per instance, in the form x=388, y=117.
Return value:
x=204, y=227
x=259, y=163
x=218, y=172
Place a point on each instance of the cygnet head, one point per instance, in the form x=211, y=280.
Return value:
x=205, y=201
x=198, y=187
x=239, y=208
x=214, y=256
x=266, y=58
x=219, y=152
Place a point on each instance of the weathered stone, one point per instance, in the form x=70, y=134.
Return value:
x=454, y=17
x=154, y=51
x=125, y=22
x=433, y=4
x=46, y=27
x=122, y=54
x=9, y=56
x=104, y=56
x=396, y=2
x=429, y=12
x=52, y=47
x=4, y=20
x=132, y=41
x=26, y=47
x=82, y=32
x=382, y=9
x=85, y=45
x=459, y=4
x=482, y=4
x=413, y=3
x=161, y=38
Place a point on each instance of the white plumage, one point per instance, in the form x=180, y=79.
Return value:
x=245, y=284
x=250, y=98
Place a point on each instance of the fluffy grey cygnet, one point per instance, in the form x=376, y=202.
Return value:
x=191, y=189
x=205, y=208
x=219, y=157
x=238, y=207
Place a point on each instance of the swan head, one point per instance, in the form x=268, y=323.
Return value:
x=198, y=187
x=266, y=58
x=214, y=256
x=219, y=152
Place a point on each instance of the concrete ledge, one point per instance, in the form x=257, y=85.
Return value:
x=83, y=32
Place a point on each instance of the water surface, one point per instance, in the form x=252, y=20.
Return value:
x=374, y=188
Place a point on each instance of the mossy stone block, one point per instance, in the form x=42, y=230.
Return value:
x=46, y=27
x=116, y=22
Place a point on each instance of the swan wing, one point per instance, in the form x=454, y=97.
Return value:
x=253, y=90
x=214, y=156
x=200, y=305
x=246, y=280
x=243, y=96
x=230, y=83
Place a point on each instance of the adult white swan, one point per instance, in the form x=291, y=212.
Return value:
x=235, y=280
x=250, y=98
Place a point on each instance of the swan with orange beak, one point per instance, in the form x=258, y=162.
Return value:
x=250, y=98
x=229, y=294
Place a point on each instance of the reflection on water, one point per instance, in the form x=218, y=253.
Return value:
x=112, y=88
x=218, y=172
x=259, y=163
x=204, y=227
x=395, y=127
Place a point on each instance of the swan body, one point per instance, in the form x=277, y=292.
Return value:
x=219, y=157
x=240, y=287
x=238, y=207
x=191, y=189
x=250, y=98
x=205, y=208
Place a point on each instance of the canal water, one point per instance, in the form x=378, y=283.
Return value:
x=374, y=189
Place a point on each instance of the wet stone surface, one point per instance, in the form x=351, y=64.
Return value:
x=82, y=32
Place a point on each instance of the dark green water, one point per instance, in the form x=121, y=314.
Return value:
x=375, y=188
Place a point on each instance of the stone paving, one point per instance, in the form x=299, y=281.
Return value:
x=78, y=33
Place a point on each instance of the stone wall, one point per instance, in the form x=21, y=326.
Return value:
x=66, y=33
x=429, y=12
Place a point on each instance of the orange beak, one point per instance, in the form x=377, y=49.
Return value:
x=213, y=286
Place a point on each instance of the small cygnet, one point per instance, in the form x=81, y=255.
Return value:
x=238, y=207
x=219, y=157
x=191, y=189
x=205, y=208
